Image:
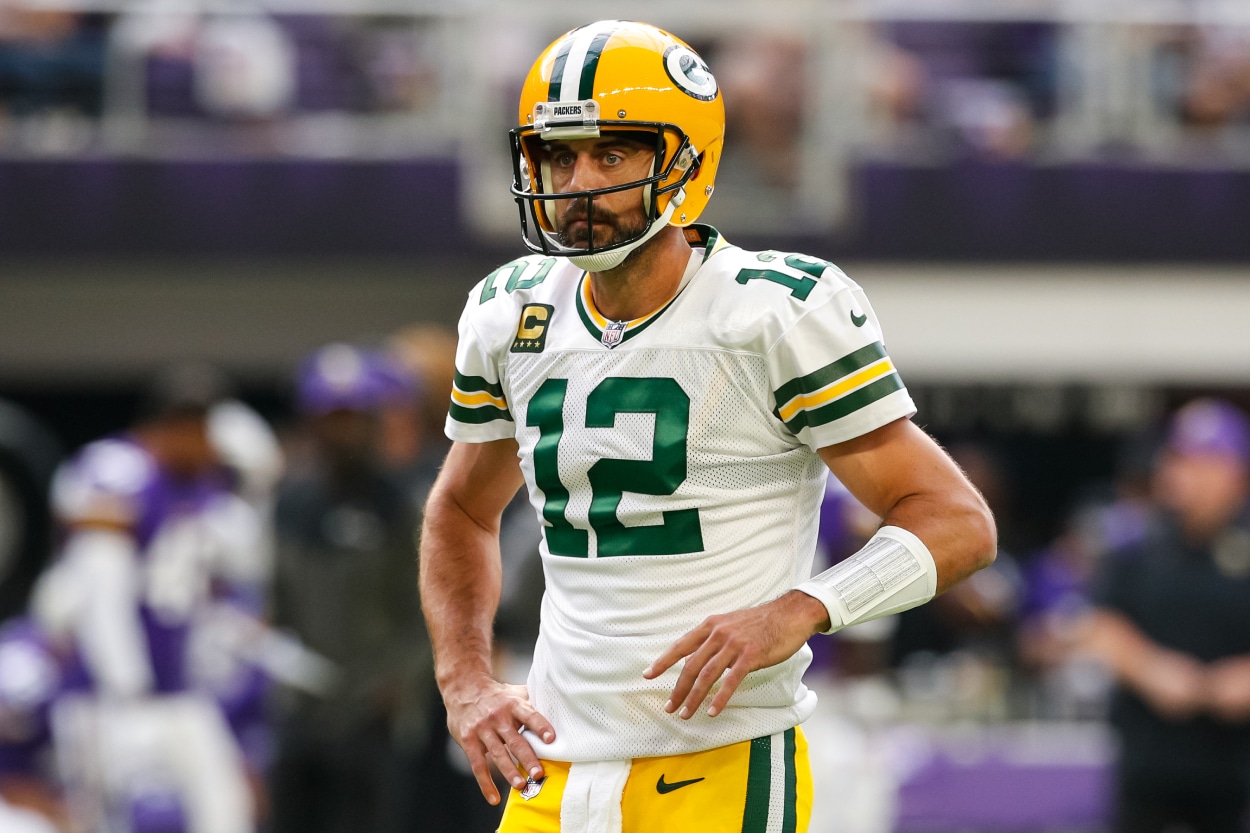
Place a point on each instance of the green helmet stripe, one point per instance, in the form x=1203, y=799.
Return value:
x=591, y=64
x=573, y=70
x=557, y=70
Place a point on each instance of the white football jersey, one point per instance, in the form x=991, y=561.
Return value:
x=672, y=462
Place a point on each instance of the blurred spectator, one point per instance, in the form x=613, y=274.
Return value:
x=1205, y=74
x=983, y=85
x=244, y=67
x=1171, y=625
x=428, y=352
x=413, y=444
x=346, y=586
x=50, y=59
x=150, y=532
x=764, y=75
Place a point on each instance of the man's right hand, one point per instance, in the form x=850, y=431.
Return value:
x=485, y=717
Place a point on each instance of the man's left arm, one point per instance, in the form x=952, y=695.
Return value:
x=900, y=474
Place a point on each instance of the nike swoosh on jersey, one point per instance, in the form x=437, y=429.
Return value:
x=663, y=788
x=858, y=320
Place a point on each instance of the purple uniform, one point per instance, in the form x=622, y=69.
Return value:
x=31, y=677
x=115, y=482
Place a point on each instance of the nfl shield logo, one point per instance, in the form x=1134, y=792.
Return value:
x=532, y=787
x=614, y=334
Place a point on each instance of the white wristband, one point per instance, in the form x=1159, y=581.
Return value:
x=893, y=572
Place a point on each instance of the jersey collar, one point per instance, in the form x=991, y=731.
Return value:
x=611, y=333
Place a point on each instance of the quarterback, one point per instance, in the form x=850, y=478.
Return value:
x=673, y=405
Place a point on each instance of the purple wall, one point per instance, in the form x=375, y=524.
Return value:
x=966, y=211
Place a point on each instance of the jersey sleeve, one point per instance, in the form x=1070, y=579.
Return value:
x=479, y=410
x=831, y=375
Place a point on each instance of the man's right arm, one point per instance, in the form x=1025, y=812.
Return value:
x=460, y=587
x=90, y=598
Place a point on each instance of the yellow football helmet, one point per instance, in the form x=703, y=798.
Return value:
x=617, y=75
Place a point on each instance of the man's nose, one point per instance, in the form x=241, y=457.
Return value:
x=585, y=175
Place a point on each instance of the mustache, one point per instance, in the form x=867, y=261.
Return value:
x=594, y=220
x=579, y=211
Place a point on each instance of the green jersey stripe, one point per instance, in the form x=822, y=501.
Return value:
x=759, y=786
x=477, y=416
x=587, y=87
x=848, y=404
x=476, y=384
x=789, y=802
x=585, y=316
x=831, y=372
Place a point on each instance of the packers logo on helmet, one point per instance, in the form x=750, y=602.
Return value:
x=690, y=73
x=610, y=77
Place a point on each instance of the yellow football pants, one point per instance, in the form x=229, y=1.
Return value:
x=750, y=787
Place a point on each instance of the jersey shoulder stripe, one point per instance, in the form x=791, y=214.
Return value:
x=846, y=398
x=476, y=400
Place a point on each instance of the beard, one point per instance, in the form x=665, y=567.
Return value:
x=608, y=227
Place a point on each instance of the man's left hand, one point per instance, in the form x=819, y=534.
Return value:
x=729, y=646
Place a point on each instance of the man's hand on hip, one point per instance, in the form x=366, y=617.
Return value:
x=485, y=717
x=729, y=646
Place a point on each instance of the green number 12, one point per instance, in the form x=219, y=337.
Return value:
x=610, y=478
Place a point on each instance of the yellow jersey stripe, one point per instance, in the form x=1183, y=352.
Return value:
x=470, y=400
x=814, y=400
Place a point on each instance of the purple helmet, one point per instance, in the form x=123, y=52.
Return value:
x=1210, y=426
x=339, y=377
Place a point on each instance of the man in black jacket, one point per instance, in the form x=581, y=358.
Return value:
x=1173, y=623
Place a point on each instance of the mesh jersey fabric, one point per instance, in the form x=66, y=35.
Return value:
x=675, y=473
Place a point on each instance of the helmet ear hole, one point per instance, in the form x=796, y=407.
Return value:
x=698, y=167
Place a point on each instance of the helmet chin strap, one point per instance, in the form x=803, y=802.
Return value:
x=603, y=261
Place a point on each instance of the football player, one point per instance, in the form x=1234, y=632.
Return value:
x=674, y=404
x=149, y=526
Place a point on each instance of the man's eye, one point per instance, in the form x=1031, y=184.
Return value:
x=563, y=160
x=613, y=158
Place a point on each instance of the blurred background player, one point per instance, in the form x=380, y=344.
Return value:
x=32, y=674
x=1171, y=623
x=150, y=531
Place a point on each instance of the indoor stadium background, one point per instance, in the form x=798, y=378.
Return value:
x=1048, y=203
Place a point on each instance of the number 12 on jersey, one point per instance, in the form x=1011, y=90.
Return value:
x=610, y=478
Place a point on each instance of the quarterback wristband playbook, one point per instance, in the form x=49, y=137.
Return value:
x=893, y=572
